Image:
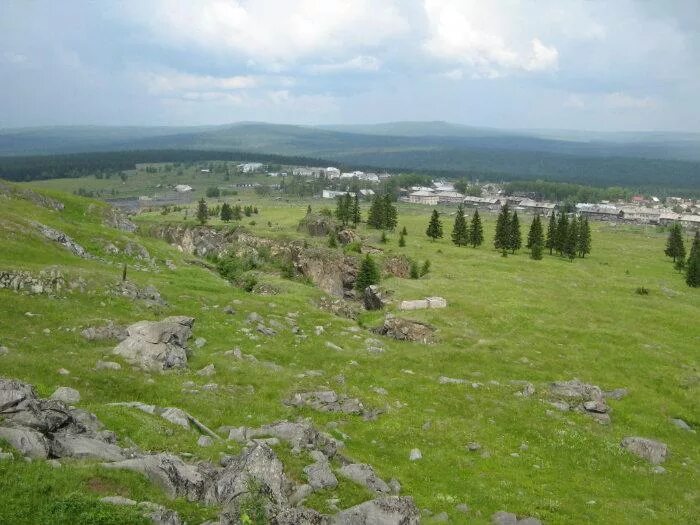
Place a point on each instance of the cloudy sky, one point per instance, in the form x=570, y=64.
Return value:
x=572, y=64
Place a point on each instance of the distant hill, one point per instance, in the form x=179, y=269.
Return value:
x=630, y=159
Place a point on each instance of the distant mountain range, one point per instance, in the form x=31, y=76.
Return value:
x=576, y=156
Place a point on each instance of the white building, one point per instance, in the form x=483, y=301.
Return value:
x=332, y=173
x=423, y=197
x=449, y=197
x=332, y=194
x=250, y=167
x=183, y=188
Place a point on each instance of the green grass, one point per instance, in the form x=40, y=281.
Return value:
x=507, y=319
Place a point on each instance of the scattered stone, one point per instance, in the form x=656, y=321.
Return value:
x=347, y=236
x=157, y=345
x=200, y=342
x=528, y=390
x=394, y=486
x=207, y=371
x=230, y=310
x=443, y=517
x=508, y=518
x=63, y=371
x=326, y=401
x=422, y=304
x=266, y=330
x=391, y=510
x=64, y=240
x=149, y=295
x=473, y=446
x=4, y=351
x=107, y=365
x=462, y=507
x=254, y=317
x=320, y=475
x=170, y=265
x=68, y=395
x=415, y=454
x=205, y=441
x=444, y=380
x=653, y=451
x=318, y=330
x=117, y=500
x=300, y=494
x=658, y=469
x=364, y=475
x=338, y=307
x=682, y=424
x=398, y=266
x=333, y=346
x=406, y=330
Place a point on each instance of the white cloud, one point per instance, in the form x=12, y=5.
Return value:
x=609, y=101
x=358, y=63
x=453, y=74
x=271, y=33
x=620, y=100
x=477, y=34
x=11, y=57
x=174, y=81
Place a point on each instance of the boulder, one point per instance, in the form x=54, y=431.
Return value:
x=406, y=330
x=364, y=475
x=391, y=510
x=64, y=240
x=653, y=451
x=29, y=443
x=398, y=266
x=149, y=294
x=300, y=516
x=326, y=401
x=373, y=298
x=82, y=447
x=157, y=345
x=320, y=475
x=347, y=236
x=69, y=396
x=114, y=218
x=105, y=332
x=169, y=472
x=316, y=225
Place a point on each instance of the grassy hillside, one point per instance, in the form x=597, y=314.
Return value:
x=508, y=319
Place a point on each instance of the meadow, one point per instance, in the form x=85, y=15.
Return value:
x=508, y=319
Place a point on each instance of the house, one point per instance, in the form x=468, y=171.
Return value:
x=367, y=193
x=641, y=214
x=443, y=186
x=205, y=170
x=369, y=177
x=183, y=188
x=332, y=194
x=490, y=203
x=449, y=197
x=250, y=167
x=542, y=208
x=600, y=212
x=423, y=197
x=332, y=173
x=684, y=219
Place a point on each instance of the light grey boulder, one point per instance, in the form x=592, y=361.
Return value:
x=364, y=475
x=653, y=451
x=392, y=510
x=326, y=401
x=105, y=332
x=107, y=365
x=320, y=475
x=682, y=425
x=160, y=515
x=117, y=500
x=157, y=345
x=29, y=443
x=83, y=447
x=300, y=516
x=69, y=396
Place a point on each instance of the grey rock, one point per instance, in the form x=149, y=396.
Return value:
x=29, y=443
x=160, y=515
x=406, y=330
x=68, y=395
x=261, y=328
x=158, y=345
x=105, y=332
x=504, y=518
x=205, y=441
x=394, y=486
x=82, y=447
x=117, y=500
x=682, y=424
x=254, y=317
x=443, y=517
x=391, y=510
x=320, y=475
x=326, y=401
x=653, y=451
x=364, y=475
x=300, y=516
x=3, y=351
x=107, y=365
x=333, y=346
x=462, y=507
x=200, y=342
x=373, y=298
x=64, y=240
x=300, y=494
x=230, y=310
x=415, y=454
x=207, y=371
x=444, y=380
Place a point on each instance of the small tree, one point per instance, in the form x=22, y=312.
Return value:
x=583, y=246
x=551, y=241
x=536, y=251
x=571, y=241
x=692, y=268
x=535, y=238
x=562, y=233
x=226, y=212
x=415, y=271
x=355, y=215
x=308, y=209
x=460, y=232
x=237, y=213
x=425, y=269
x=367, y=275
x=403, y=231
x=476, y=231
x=674, y=244
x=515, y=238
x=202, y=211
x=375, y=215
x=389, y=212
x=434, y=230
x=383, y=239
x=402, y=240
x=501, y=240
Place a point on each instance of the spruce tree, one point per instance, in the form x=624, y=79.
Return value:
x=571, y=241
x=460, y=232
x=551, y=241
x=308, y=209
x=402, y=240
x=583, y=246
x=356, y=216
x=389, y=213
x=415, y=272
x=425, y=268
x=343, y=209
x=434, y=230
x=476, y=231
x=226, y=212
x=674, y=245
x=501, y=239
x=535, y=238
x=562, y=233
x=374, y=217
x=367, y=275
x=202, y=211
x=692, y=268
x=403, y=231
x=237, y=214
x=515, y=238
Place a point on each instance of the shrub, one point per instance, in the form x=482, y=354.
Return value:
x=213, y=192
x=641, y=290
x=425, y=269
x=353, y=247
x=415, y=272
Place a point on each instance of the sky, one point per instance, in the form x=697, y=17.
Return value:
x=605, y=65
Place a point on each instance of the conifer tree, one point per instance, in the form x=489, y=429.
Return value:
x=402, y=240
x=308, y=209
x=501, y=239
x=674, y=245
x=375, y=215
x=551, y=241
x=535, y=238
x=237, y=214
x=460, y=232
x=434, y=230
x=367, y=275
x=583, y=246
x=415, y=272
x=515, y=238
x=425, y=269
x=389, y=213
x=562, y=233
x=226, y=212
x=571, y=241
x=692, y=268
x=356, y=216
x=476, y=231
x=342, y=209
x=403, y=231
x=202, y=211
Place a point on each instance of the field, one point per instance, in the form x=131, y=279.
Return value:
x=508, y=319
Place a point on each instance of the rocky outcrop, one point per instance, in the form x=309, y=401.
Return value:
x=583, y=397
x=47, y=428
x=326, y=401
x=654, y=452
x=105, y=332
x=31, y=196
x=364, y=475
x=50, y=281
x=148, y=294
x=332, y=272
x=196, y=240
x=338, y=307
x=348, y=236
x=316, y=225
x=423, y=304
x=508, y=518
x=406, y=330
x=392, y=510
x=373, y=298
x=175, y=415
x=398, y=266
x=114, y=218
x=64, y=240
x=157, y=345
